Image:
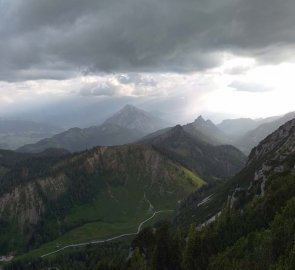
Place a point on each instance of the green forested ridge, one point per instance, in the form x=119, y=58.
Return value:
x=97, y=193
x=260, y=235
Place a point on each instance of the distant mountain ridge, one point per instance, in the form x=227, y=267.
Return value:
x=126, y=126
x=237, y=127
x=240, y=126
x=200, y=129
x=209, y=161
x=131, y=124
x=77, y=139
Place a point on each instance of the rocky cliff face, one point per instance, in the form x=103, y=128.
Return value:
x=275, y=154
x=279, y=144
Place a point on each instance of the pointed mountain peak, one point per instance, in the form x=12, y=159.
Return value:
x=200, y=119
x=201, y=122
x=177, y=128
x=133, y=118
x=172, y=134
x=129, y=107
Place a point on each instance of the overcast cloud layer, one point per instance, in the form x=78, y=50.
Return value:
x=60, y=39
x=178, y=58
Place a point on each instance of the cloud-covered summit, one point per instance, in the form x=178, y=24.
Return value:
x=60, y=39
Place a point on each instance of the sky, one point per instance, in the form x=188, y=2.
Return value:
x=177, y=59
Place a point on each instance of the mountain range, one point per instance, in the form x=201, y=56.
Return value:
x=131, y=124
x=53, y=196
x=126, y=126
x=101, y=181
x=245, y=222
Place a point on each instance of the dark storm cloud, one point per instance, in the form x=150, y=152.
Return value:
x=45, y=39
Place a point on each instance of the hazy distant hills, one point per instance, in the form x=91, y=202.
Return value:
x=15, y=133
x=77, y=139
x=237, y=127
x=246, y=133
x=131, y=124
x=252, y=138
x=209, y=161
x=240, y=126
x=126, y=126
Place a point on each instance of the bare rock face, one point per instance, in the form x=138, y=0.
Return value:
x=275, y=154
x=26, y=202
x=278, y=145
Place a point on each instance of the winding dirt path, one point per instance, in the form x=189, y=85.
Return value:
x=93, y=242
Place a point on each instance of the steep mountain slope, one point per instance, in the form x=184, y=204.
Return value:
x=207, y=131
x=130, y=117
x=125, y=126
x=103, y=189
x=211, y=162
x=275, y=154
x=15, y=133
x=252, y=138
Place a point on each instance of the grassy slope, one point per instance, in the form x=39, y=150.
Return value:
x=94, y=231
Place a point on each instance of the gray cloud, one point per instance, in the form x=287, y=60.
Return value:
x=104, y=89
x=59, y=39
x=136, y=79
x=249, y=87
